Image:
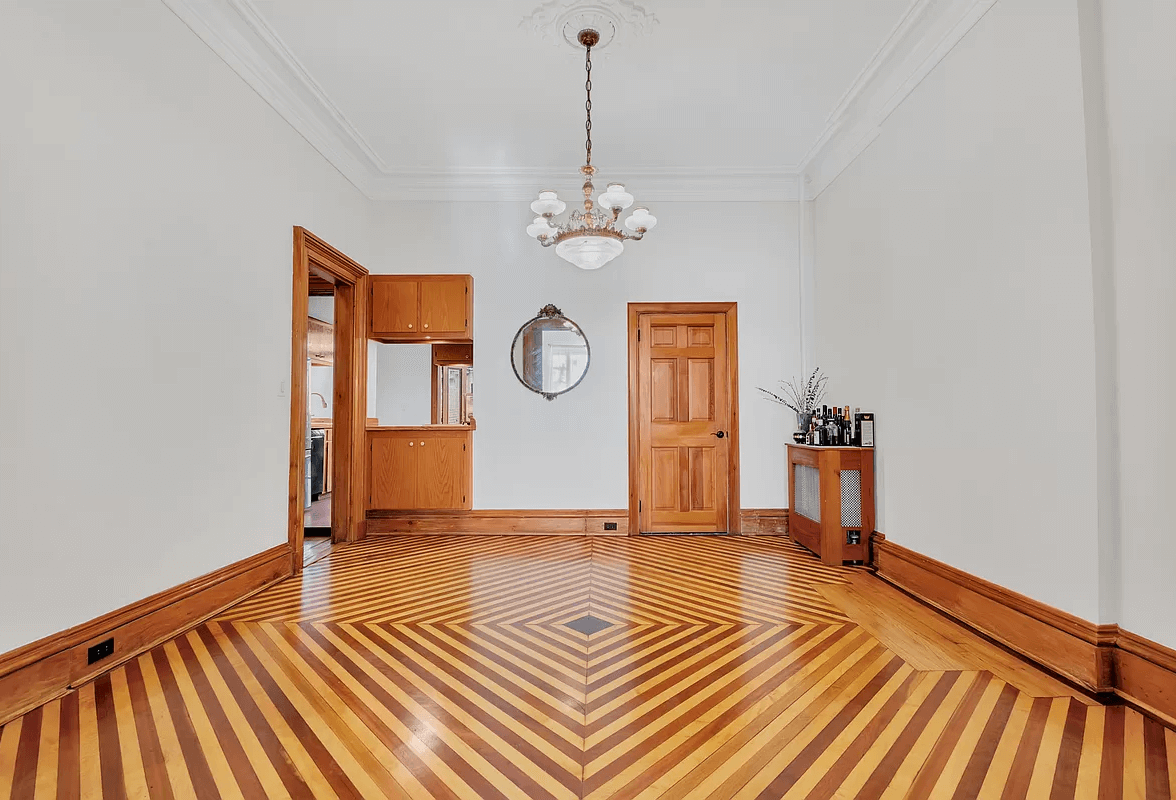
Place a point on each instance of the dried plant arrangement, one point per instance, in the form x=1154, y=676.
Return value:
x=801, y=397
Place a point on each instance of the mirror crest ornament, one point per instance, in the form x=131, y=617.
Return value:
x=550, y=354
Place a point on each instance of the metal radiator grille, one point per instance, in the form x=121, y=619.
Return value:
x=851, y=498
x=808, y=492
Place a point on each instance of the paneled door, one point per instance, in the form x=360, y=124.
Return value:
x=684, y=421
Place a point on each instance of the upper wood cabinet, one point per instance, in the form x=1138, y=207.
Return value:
x=320, y=342
x=422, y=308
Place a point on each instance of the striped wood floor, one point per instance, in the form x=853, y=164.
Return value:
x=414, y=667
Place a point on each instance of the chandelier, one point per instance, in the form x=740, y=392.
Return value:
x=589, y=238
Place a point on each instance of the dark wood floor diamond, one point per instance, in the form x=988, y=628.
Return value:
x=588, y=625
x=693, y=667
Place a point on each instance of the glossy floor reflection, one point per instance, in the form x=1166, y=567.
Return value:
x=543, y=667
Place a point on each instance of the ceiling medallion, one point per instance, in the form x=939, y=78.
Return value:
x=589, y=238
x=560, y=21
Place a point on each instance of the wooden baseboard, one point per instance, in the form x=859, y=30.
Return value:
x=45, y=669
x=562, y=522
x=763, y=521
x=1101, y=658
x=1066, y=644
x=1145, y=674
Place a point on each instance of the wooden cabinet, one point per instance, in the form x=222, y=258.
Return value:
x=421, y=308
x=320, y=342
x=420, y=468
x=831, y=501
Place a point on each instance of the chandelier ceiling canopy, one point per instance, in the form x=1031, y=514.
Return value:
x=589, y=238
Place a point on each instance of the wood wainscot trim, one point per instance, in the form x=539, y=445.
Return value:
x=524, y=522
x=764, y=521
x=43, y=670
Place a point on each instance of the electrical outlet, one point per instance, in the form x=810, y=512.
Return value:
x=100, y=651
x=610, y=526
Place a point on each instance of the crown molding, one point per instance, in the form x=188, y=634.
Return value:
x=236, y=32
x=239, y=35
x=701, y=184
x=927, y=32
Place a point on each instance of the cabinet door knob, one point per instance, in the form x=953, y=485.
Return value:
x=426, y=324
x=410, y=444
x=422, y=444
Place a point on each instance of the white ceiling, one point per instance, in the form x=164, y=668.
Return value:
x=735, y=84
x=721, y=99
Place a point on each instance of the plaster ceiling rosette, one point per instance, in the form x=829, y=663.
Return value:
x=560, y=22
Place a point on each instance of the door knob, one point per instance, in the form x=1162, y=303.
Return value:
x=426, y=324
x=410, y=444
x=719, y=434
x=422, y=444
x=410, y=324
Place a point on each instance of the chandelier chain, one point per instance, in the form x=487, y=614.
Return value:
x=588, y=102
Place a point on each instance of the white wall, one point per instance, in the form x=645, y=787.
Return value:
x=403, y=391
x=699, y=252
x=954, y=296
x=145, y=241
x=1141, y=112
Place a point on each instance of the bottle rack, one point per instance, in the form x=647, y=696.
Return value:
x=831, y=501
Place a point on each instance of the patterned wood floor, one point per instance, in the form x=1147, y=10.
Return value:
x=692, y=667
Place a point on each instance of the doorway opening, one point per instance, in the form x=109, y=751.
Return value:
x=683, y=418
x=328, y=399
x=320, y=365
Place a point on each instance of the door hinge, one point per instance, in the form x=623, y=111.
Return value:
x=638, y=505
x=638, y=334
x=463, y=448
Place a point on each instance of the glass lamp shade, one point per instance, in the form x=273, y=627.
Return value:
x=539, y=227
x=548, y=203
x=589, y=252
x=615, y=197
x=641, y=218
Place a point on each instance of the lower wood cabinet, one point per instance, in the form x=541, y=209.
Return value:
x=420, y=468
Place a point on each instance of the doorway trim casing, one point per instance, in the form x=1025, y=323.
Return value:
x=349, y=404
x=730, y=309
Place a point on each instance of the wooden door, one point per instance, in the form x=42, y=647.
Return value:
x=392, y=470
x=441, y=470
x=395, y=305
x=444, y=305
x=684, y=413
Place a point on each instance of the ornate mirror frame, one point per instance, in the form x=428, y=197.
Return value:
x=549, y=311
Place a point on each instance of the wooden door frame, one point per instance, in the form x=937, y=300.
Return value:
x=349, y=406
x=730, y=309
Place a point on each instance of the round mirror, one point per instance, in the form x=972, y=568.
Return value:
x=550, y=354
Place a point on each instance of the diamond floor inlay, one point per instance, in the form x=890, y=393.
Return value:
x=588, y=625
x=581, y=668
